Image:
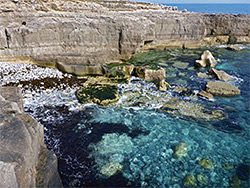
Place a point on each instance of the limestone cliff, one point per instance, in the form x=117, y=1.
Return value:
x=97, y=32
x=24, y=159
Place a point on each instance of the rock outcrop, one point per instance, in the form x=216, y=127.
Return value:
x=222, y=89
x=24, y=159
x=98, y=32
x=207, y=60
x=219, y=74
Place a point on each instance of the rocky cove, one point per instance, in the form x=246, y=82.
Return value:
x=162, y=107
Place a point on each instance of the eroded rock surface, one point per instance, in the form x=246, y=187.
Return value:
x=222, y=89
x=21, y=143
x=91, y=33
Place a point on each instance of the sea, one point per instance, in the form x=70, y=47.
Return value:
x=214, y=8
x=138, y=143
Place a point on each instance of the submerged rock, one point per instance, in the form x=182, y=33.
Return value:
x=183, y=91
x=180, y=107
x=202, y=75
x=180, y=150
x=222, y=89
x=119, y=69
x=111, y=169
x=206, y=163
x=150, y=73
x=219, y=74
x=235, y=182
x=190, y=181
x=202, y=179
x=207, y=60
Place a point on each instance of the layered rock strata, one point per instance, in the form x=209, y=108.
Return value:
x=24, y=159
x=58, y=33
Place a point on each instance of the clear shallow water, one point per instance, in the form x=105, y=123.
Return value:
x=215, y=8
x=139, y=138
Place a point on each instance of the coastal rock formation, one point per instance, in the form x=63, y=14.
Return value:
x=98, y=32
x=222, y=89
x=24, y=159
x=205, y=94
x=149, y=73
x=219, y=74
x=207, y=60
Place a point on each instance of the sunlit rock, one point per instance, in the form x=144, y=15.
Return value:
x=205, y=95
x=222, y=89
x=207, y=60
x=150, y=73
x=219, y=74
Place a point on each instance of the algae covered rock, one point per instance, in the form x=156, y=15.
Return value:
x=99, y=90
x=111, y=169
x=207, y=164
x=202, y=179
x=180, y=150
x=190, y=181
x=219, y=74
x=207, y=60
x=150, y=73
x=162, y=85
x=180, y=107
x=222, y=89
x=119, y=69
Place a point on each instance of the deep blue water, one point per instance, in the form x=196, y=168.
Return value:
x=215, y=8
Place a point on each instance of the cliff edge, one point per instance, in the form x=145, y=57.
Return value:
x=25, y=160
x=52, y=32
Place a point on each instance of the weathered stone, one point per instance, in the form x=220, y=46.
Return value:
x=182, y=90
x=162, y=85
x=180, y=65
x=21, y=141
x=207, y=164
x=7, y=176
x=207, y=60
x=190, y=181
x=80, y=70
x=206, y=95
x=219, y=74
x=111, y=169
x=180, y=107
x=120, y=70
x=180, y=150
x=150, y=74
x=222, y=89
x=234, y=48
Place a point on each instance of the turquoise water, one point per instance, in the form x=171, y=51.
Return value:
x=138, y=138
x=214, y=8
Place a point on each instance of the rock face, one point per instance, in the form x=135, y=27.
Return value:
x=22, y=146
x=219, y=75
x=207, y=60
x=97, y=32
x=222, y=89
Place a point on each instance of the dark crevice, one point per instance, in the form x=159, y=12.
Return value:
x=8, y=37
x=119, y=42
x=148, y=42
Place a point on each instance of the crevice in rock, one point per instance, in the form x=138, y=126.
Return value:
x=148, y=42
x=119, y=42
x=8, y=37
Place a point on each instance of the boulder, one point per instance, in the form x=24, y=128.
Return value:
x=162, y=85
x=180, y=150
x=207, y=60
x=7, y=175
x=219, y=74
x=150, y=73
x=222, y=89
x=118, y=69
x=205, y=94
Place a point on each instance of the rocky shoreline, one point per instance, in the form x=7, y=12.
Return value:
x=68, y=35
